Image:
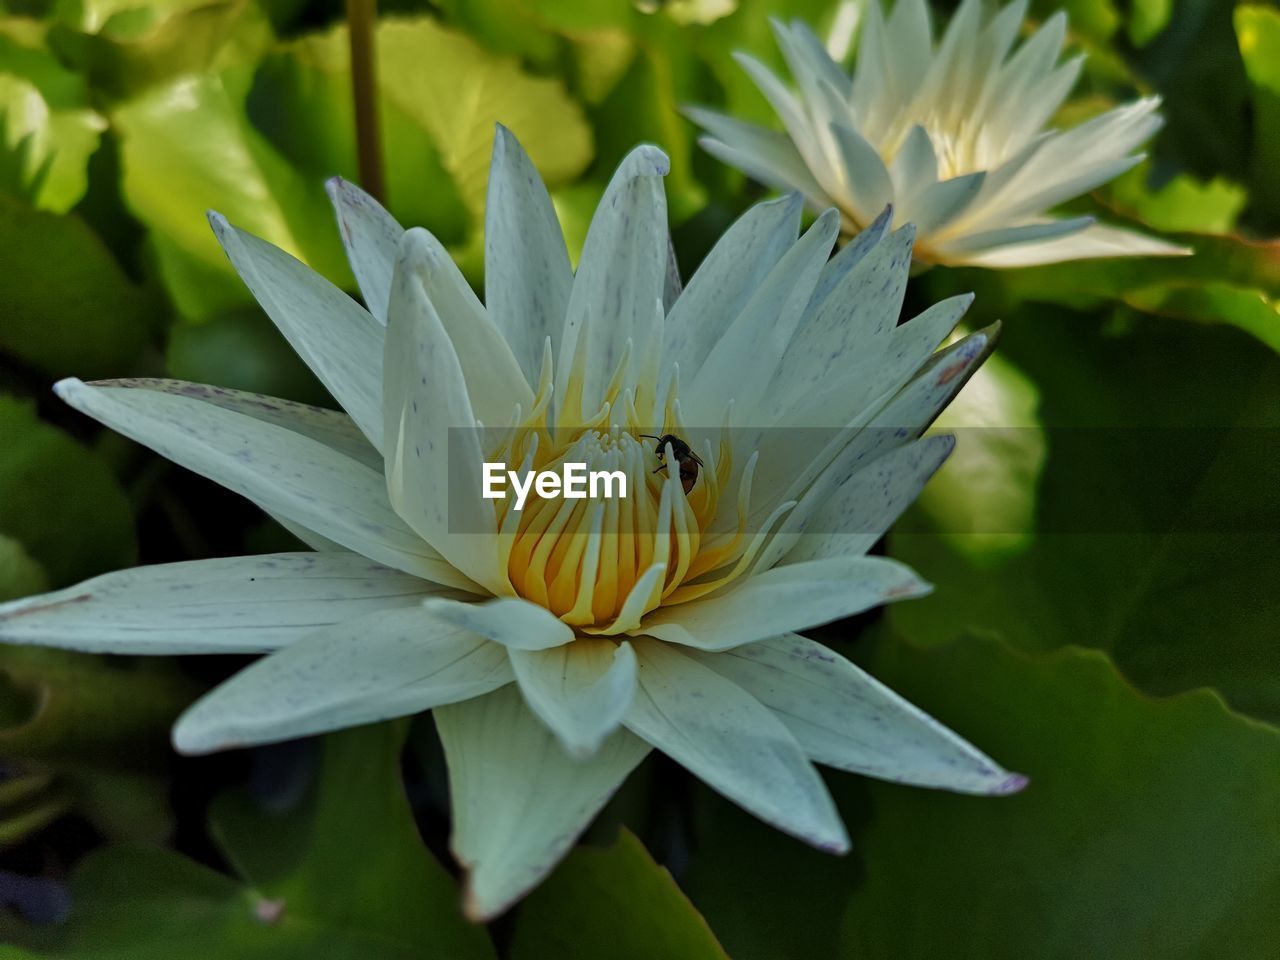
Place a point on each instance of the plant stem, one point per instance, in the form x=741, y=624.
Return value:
x=362, y=16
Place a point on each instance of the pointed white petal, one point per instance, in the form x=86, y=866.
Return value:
x=794, y=597
x=850, y=255
x=847, y=518
x=764, y=155
x=495, y=382
x=938, y=204
x=621, y=274
x=725, y=281
x=371, y=236
x=842, y=340
x=963, y=247
x=741, y=365
x=1098, y=240
x=225, y=605
x=511, y=621
x=433, y=470
x=844, y=718
x=728, y=739
x=527, y=278
x=519, y=800
x=867, y=183
x=915, y=166
x=581, y=691
x=339, y=340
x=382, y=665
x=285, y=473
x=333, y=428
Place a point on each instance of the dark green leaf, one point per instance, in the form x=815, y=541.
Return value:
x=614, y=903
x=352, y=857
x=1149, y=829
x=59, y=500
x=68, y=307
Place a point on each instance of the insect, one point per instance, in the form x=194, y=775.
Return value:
x=689, y=461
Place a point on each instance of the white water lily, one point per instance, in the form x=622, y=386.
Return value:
x=559, y=644
x=953, y=136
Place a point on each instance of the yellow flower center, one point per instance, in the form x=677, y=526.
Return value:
x=582, y=559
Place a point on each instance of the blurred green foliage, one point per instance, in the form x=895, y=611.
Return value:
x=1077, y=582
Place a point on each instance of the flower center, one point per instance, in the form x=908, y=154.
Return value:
x=586, y=559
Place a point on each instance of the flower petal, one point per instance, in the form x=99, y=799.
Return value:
x=939, y=203
x=511, y=621
x=337, y=338
x=1098, y=240
x=433, y=469
x=841, y=341
x=286, y=473
x=495, y=382
x=867, y=182
x=728, y=739
x=847, y=518
x=333, y=428
x=621, y=274
x=386, y=664
x=224, y=605
x=527, y=278
x=581, y=690
x=371, y=236
x=743, y=361
x=794, y=597
x=843, y=717
x=764, y=155
x=725, y=281
x=497, y=751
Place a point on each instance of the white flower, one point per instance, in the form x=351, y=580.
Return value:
x=952, y=136
x=559, y=644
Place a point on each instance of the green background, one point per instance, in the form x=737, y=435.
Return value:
x=1106, y=619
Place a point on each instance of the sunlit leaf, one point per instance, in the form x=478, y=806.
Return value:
x=46, y=116
x=188, y=148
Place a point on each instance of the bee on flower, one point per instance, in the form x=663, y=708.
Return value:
x=559, y=643
x=954, y=135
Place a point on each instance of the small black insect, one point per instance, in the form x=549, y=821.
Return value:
x=689, y=461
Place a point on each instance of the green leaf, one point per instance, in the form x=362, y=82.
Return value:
x=137, y=47
x=188, y=148
x=345, y=878
x=243, y=350
x=134, y=902
x=1183, y=204
x=614, y=903
x=59, y=500
x=1227, y=280
x=1149, y=828
x=68, y=307
x=20, y=575
x=45, y=117
x=457, y=93
x=766, y=895
x=75, y=710
x=1156, y=526
x=352, y=857
x=1258, y=34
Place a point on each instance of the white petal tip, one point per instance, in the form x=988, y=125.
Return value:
x=1014, y=783
x=221, y=225
x=647, y=160
x=67, y=386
